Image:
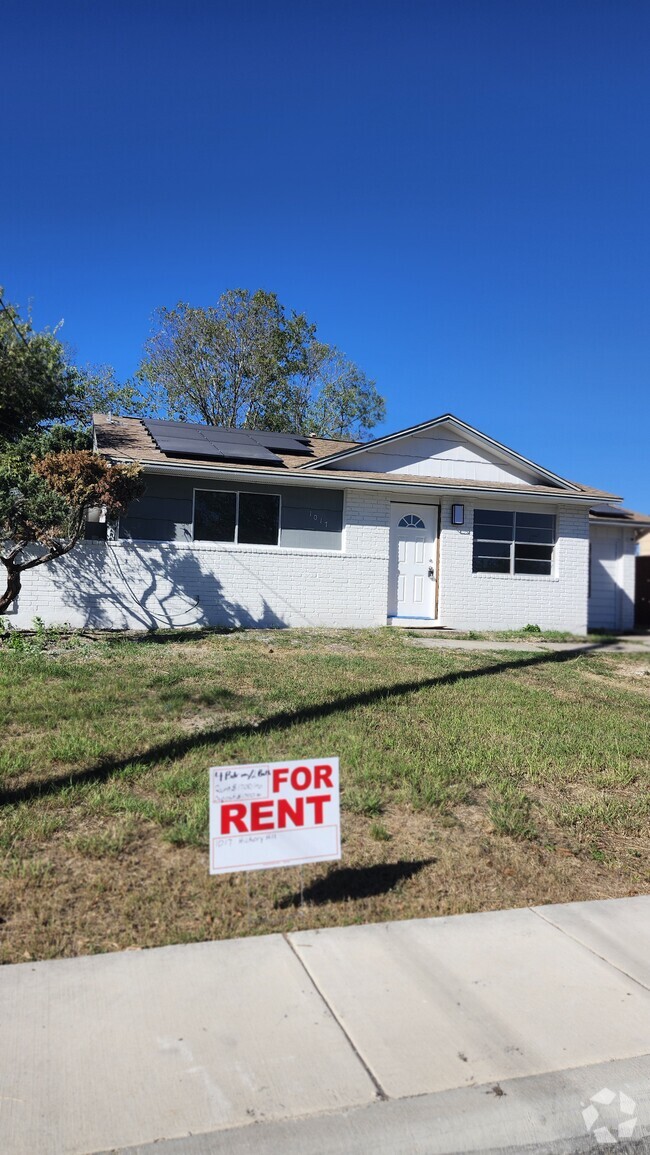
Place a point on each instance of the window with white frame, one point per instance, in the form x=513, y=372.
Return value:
x=246, y=518
x=513, y=543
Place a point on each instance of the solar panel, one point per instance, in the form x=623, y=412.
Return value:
x=160, y=422
x=167, y=434
x=177, y=448
x=276, y=436
x=185, y=439
x=284, y=442
x=250, y=453
x=236, y=436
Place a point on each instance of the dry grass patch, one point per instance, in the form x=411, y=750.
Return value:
x=469, y=782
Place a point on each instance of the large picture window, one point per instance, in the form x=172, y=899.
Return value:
x=513, y=543
x=247, y=518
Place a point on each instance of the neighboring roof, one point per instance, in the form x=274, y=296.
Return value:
x=496, y=447
x=614, y=514
x=126, y=439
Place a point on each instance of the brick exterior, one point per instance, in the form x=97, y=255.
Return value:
x=501, y=601
x=142, y=585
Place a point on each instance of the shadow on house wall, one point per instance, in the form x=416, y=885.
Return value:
x=142, y=589
x=609, y=603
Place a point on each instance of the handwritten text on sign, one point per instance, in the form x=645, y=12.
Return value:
x=274, y=814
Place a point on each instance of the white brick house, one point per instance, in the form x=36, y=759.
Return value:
x=434, y=525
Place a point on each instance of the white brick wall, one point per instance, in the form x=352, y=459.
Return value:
x=502, y=601
x=142, y=585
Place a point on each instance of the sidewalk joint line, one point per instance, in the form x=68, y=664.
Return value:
x=595, y=953
x=381, y=1094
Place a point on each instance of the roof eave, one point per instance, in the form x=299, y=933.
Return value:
x=628, y=523
x=345, y=481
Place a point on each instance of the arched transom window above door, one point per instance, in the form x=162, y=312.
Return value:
x=411, y=521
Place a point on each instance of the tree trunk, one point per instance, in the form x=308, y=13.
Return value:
x=13, y=587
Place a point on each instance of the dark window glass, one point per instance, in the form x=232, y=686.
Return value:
x=539, y=527
x=535, y=520
x=214, y=515
x=543, y=536
x=533, y=552
x=259, y=518
x=492, y=517
x=535, y=567
x=492, y=549
x=491, y=564
x=494, y=532
x=491, y=525
x=95, y=531
x=532, y=533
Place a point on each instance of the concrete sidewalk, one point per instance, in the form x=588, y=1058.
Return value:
x=622, y=646
x=481, y=1032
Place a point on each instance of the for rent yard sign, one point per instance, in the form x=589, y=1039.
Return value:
x=274, y=814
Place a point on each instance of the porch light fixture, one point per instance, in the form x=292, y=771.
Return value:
x=458, y=515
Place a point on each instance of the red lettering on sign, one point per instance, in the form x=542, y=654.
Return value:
x=260, y=811
x=323, y=777
x=280, y=775
x=286, y=810
x=318, y=802
x=301, y=777
x=233, y=814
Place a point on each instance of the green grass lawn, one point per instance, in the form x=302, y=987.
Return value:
x=469, y=781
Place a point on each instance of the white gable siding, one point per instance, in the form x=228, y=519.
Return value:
x=440, y=454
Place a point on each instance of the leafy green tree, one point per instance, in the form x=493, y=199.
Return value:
x=37, y=384
x=247, y=362
x=100, y=392
x=40, y=385
x=48, y=476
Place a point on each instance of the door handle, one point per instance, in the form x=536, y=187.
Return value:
x=431, y=574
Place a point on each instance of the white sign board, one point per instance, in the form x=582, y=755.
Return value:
x=274, y=814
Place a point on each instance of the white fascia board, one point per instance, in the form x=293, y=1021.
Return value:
x=447, y=419
x=346, y=482
x=619, y=521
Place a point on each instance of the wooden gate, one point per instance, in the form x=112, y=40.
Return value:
x=642, y=594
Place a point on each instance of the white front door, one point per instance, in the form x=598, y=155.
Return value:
x=413, y=561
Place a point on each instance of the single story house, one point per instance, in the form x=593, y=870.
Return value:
x=436, y=525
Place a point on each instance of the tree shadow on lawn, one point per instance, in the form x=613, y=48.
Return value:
x=354, y=882
x=284, y=720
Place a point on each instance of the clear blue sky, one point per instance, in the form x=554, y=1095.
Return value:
x=456, y=192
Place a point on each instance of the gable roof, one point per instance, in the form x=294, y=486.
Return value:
x=127, y=439
x=495, y=447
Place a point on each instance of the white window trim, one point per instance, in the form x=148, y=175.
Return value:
x=236, y=541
